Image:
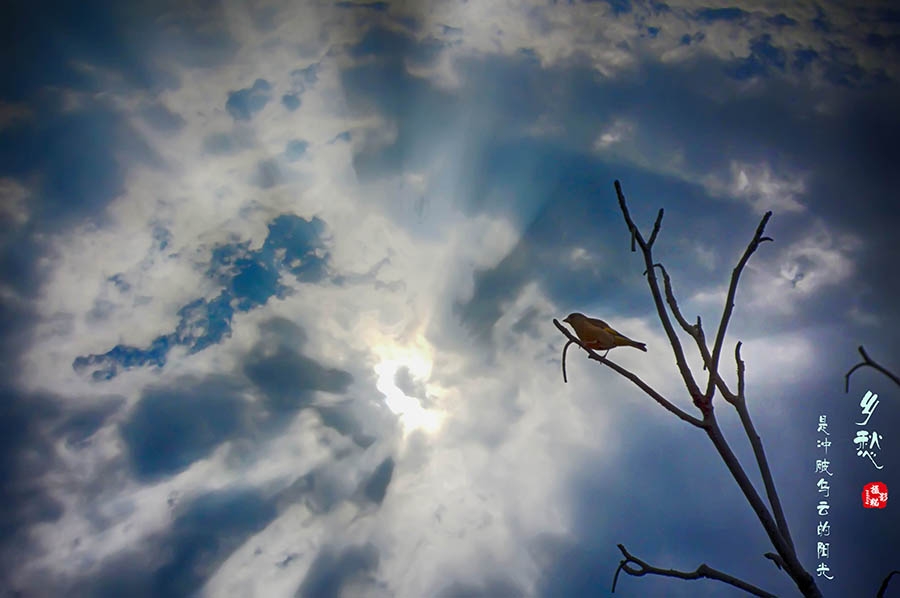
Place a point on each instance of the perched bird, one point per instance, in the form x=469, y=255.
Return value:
x=598, y=335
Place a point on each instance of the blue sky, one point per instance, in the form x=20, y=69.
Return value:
x=278, y=281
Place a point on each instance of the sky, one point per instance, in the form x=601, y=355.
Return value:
x=278, y=281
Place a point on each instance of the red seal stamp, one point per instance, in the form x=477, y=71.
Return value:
x=875, y=495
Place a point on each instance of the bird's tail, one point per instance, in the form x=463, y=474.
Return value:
x=638, y=345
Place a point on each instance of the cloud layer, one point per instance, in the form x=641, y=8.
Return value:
x=277, y=284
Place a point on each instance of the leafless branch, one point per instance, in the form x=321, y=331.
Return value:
x=868, y=361
x=779, y=562
x=884, y=584
x=656, y=226
x=773, y=522
x=566, y=348
x=732, y=290
x=701, y=572
x=696, y=332
x=704, y=405
x=759, y=453
x=631, y=376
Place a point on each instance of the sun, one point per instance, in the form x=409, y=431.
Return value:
x=410, y=411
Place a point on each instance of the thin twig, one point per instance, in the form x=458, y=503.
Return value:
x=566, y=348
x=656, y=226
x=868, y=361
x=884, y=584
x=732, y=290
x=696, y=332
x=686, y=375
x=701, y=572
x=633, y=377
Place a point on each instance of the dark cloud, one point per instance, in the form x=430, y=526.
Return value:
x=386, y=46
x=73, y=164
x=79, y=158
x=528, y=323
x=244, y=103
x=305, y=78
x=78, y=427
x=268, y=174
x=20, y=268
x=345, y=136
x=288, y=379
x=375, y=487
x=491, y=588
x=283, y=332
x=290, y=101
x=410, y=386
x=27, y=450
x=763, y=56
x=295, y=149
x=332, y=571
x=101, y=310
x=31, y=427
x=44, y=44
x=180, y=561
x=226, y=144
x=318, y=490
x=781, y=20
x=161, y=118
x=376, y=6
x=721, y=14
x=55, y=38
x=26, y=454
x=171, y=428
x=619, y=7
x=342, y=419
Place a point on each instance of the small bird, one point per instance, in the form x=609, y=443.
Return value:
x=598, y=335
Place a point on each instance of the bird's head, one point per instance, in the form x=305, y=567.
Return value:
x=573, y=317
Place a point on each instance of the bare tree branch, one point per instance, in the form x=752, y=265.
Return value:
x=656, y=226
x=773, y=522
x=703, y=571
x=779, y=562
x=740, y=404
x=732, y=290
x=781, y=543
x=633, y=377
x=740, y=369
x=884, y=584
x=868, y=361
x=686, y=374
x=696, y=332
x=566, y=348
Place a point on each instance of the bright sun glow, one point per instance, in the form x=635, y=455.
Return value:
x=412, y=415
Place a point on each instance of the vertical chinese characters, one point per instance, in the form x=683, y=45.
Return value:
x=867, y=441
x=823, y=486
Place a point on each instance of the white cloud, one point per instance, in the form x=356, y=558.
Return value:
x=757, y=185
x=792, y=277
x=618, y=131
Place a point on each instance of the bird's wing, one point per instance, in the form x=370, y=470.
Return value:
x=599, y=323
x=609, y=329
